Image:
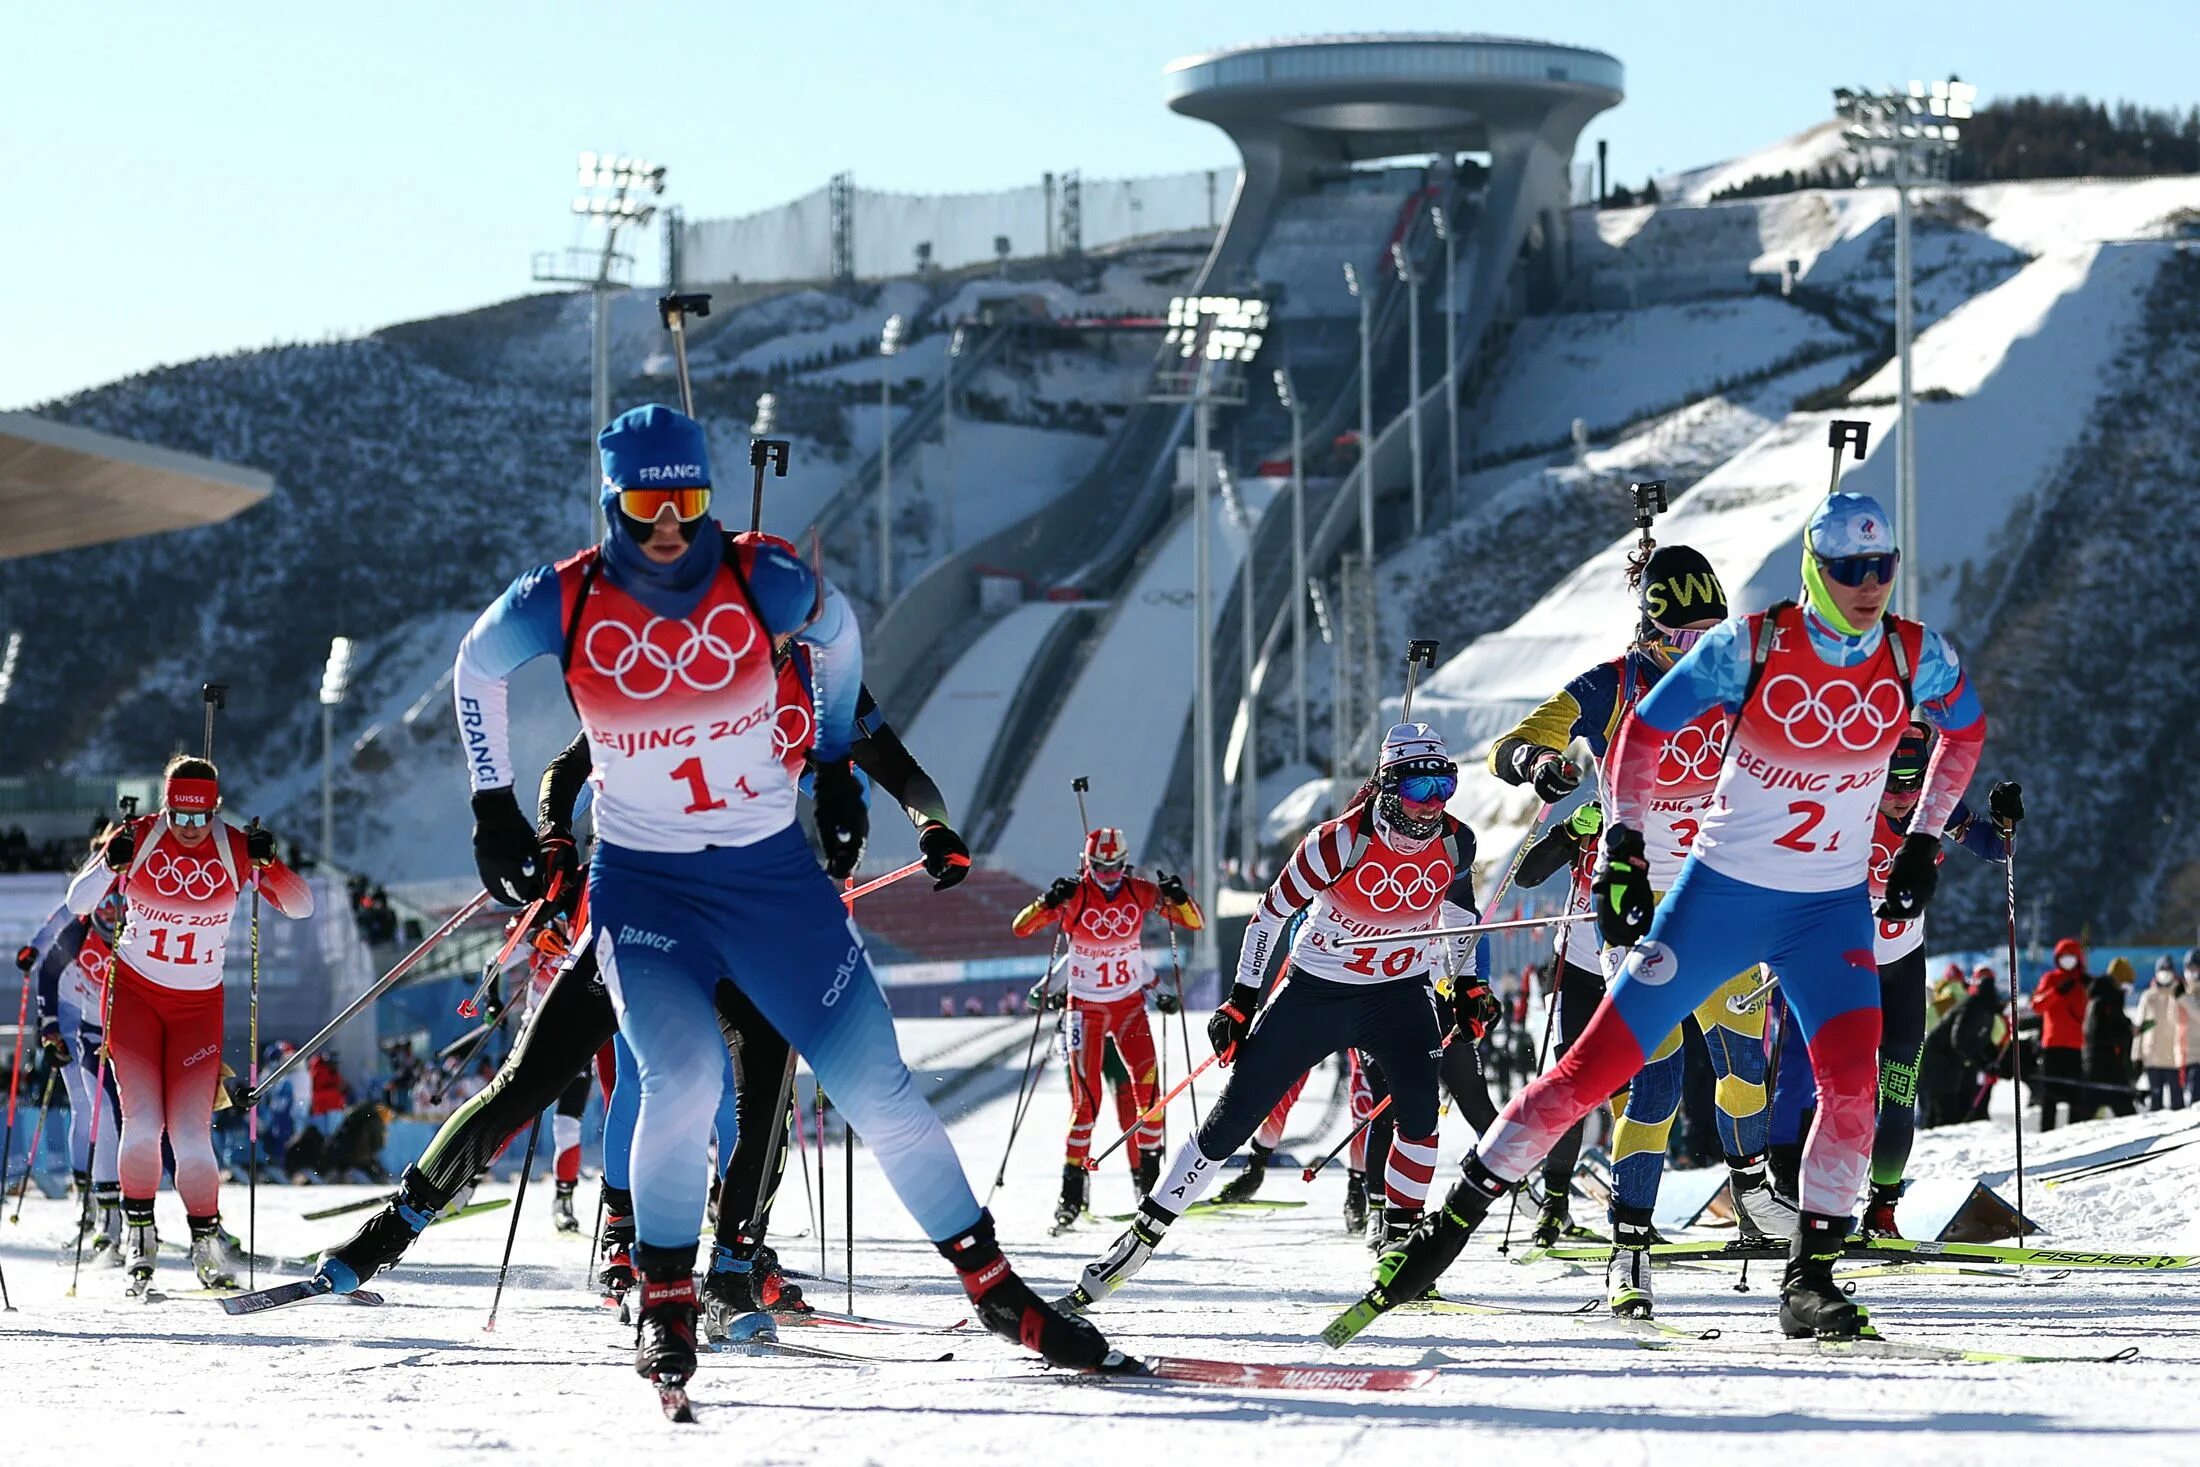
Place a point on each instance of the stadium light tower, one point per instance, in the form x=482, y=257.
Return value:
x=1248, y=769
x=615, y=192
x=889, y=347
x=1406, y=272
x=955, y=347
x=1209, y=342
x=1902, y=138
x=1444, y=232
x=1297, y=410
x=1365, y=297
x=335, y=682
x=8, y=657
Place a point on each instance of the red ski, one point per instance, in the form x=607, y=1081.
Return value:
x=1275, y=1377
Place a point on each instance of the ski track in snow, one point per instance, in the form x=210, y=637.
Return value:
x=325, y=1382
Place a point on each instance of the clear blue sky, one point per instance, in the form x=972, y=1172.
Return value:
x=186, y=179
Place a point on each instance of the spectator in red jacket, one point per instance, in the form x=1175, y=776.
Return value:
x=331, y=1098
x=2059, y=998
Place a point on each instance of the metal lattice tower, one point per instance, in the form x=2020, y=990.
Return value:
x=1361, y=684
x=1070, y=234
x=841, y=200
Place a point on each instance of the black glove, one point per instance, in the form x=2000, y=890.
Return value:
x=120, y=850
x=1622, y=888
x=1911, y=879
x=1042, y=997
x=843, y=820
x=946, y=858
x=505, y=853
x=26, y=957
x=1062, y=890
x=1172, y=889
x=1164, y=1002
x=1551, y=772
x=1234, y=1020
x=561, y=866
x=259, y=844
x=2005, y=803
x=1475, y=1008
x=49, y=1035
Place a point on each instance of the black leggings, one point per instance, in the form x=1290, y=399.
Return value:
x=572, y=1021
x=1580, y=990
x=1901, y=1047
x=1310, y=1019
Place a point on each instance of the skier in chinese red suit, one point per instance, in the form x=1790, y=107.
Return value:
x=1391, y=865
x=1102, y=914
x=701, y=875
x=182, y=871
x=1819, y=695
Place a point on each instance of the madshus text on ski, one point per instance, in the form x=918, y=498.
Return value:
x=1772, y=795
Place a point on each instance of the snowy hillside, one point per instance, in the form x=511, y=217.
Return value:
x=419, y=469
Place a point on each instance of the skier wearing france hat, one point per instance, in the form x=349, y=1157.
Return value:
x=667, y=633
x=1818, y=695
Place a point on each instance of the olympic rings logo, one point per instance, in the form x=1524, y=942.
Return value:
x=656, y=667
x=93, y=964
x=1694, y=754
x=1110, y=924
x=1409, y=885
x=788, y=737
x=1882, y=861
x=1810, y=717
x=174, y=876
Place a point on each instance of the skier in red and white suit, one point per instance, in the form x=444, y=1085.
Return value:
x=182, y=870
x=1103, y=914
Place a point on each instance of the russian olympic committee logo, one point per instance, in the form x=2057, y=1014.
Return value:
x=180, y=876
x=1693, y=755
x=1811, y=717
x=1110, y=924
x=645, y=664
x=1387, y=889
x=1651, y=963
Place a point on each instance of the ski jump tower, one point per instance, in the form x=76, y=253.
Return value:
x=1297, y=107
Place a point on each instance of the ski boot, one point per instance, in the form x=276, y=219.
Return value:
x=1146, y=1175
x=1008, y=1308
x=664, y=1331
x=1355, y=1202
x=562, y=1216
x=209, y=1256
x=140, y=1247
x=107, y=1236
x=729, y=1291
x=1879, y=1212
x=1628, y=1291
x=1072, y=1204
x=772, y=1287
x=1553, y=1222
x=1763, y=1215
x=1246, y=1184
x=617, y=1274
x=1121, y=1263
x=382, y=1240
x=1811, y=1301
x=1409, y=1268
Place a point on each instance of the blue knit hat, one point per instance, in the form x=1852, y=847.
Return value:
x=654, y=447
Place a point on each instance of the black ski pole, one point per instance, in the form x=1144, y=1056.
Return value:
x=823, y=1216
x=214, y=695
x=1550, y=1024
x=763, y=451
x=848, y=1205
x=511, y=1234
x=1840, y=433
x=2016, y=1050
x=1016, y=1114
x=1183, y=1019
x=252, y=1108
x=38, y=1136
x=15, y=1076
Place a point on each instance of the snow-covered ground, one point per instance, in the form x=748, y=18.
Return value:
x=421, y=1380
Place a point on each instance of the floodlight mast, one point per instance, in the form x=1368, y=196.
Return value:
x=1209, y=342
x=1366, y=298
x=616, y=193
x=1404, y=266
x=335, y=682
x=889, y=346
x=1904, y=137
x=1450, y=237
x=1297, y=410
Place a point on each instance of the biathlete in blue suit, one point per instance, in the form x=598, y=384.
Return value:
x=668, y=633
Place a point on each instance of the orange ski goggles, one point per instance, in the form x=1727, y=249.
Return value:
x=645, y=505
